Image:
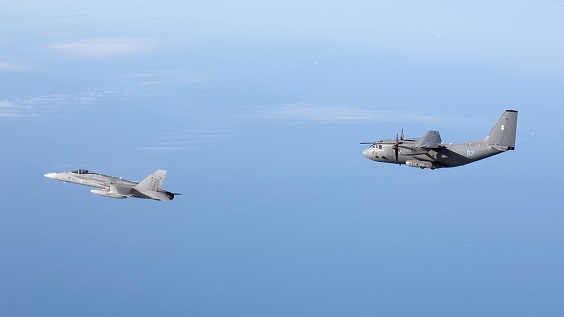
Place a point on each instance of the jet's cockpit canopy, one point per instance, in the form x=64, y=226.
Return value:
x=80, y=172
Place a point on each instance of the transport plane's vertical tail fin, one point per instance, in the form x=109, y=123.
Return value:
x=504, y=132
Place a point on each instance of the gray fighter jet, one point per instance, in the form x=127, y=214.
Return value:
x=149, y=188
x=430, y=152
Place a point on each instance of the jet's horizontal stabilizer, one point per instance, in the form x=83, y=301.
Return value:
x=156, y=195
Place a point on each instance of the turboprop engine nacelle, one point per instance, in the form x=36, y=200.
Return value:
x=421, y=164
x=106, y=193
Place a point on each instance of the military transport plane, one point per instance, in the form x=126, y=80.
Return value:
x=149, y=188
x=430, y=152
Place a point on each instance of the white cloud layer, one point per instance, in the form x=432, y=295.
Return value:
x=12, y=67
x=342, y=114
x=104, y=47
x=14, y=109
x=47, y=104
x=185, y=139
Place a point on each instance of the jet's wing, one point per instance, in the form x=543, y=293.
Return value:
x=431, y=140
x=152, y=182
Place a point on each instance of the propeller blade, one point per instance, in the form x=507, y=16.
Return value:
x=402, y=134
x=396, y=148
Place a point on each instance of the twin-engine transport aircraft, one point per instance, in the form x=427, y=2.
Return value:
x=430, y=152
x=149, y=188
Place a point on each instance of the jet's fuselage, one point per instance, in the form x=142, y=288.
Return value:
x=149, y=188
x=90, y=179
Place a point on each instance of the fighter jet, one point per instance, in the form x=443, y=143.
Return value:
x=149, y=188
x=430, y=152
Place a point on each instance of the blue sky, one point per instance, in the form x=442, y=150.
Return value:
x=256, y=110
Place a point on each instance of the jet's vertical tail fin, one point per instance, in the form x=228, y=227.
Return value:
x=152, y=182
x=504, y=132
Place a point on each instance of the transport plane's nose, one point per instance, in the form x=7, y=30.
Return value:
x=366, y=153
x=51, y=175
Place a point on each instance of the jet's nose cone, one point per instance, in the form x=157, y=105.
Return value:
x=51, y=175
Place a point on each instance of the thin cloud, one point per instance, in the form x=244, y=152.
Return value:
x=185, y=140
x=45, y=17
x=14, y=109
x=341, y=114
x=64, y=104
x=104, y=47
x=31, y=107
x=47, y=104
x=12, y=67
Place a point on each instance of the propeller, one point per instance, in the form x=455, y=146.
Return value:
x=396, y=145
